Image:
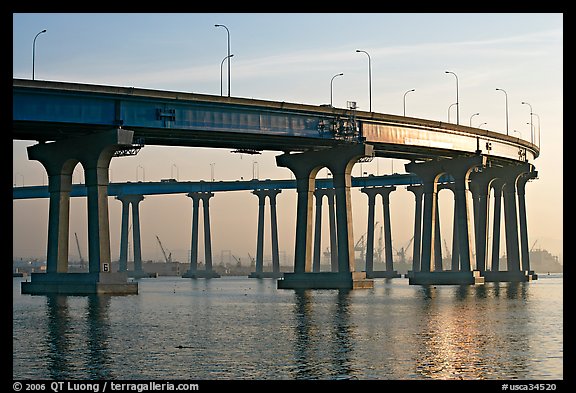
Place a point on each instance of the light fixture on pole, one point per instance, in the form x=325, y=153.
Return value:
x=531, y=130
x=34, y=51
x=475, y=114
x=457, y=102
x=228, y=57
x=405, y=100
x=538, y=130
x=221, y=64
x=450, y=107
x=506, y=95
x=369, y=76
x=331, y=80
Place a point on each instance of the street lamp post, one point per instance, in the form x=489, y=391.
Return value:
x=450, y=107
x=331, y=80
x=228, y=57
x=221, y=64
x=531, y=130
x=457, y=102
x=472, y=117
x=538, y=130
x=506, y=95
x=405, y=100
x=369, y=76
x=34, y=51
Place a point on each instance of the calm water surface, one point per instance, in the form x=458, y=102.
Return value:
x=241, y=328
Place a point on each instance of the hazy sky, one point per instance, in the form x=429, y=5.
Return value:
x=292, y=58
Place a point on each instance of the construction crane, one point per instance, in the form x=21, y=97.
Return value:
x=167, y=258
x=82, y=263
x=252, y=260
x=402, y=252
x=238, y=264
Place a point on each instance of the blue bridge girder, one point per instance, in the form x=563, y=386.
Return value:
x=170, y=186
x=48, y=111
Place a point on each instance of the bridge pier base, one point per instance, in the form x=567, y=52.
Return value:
x=193, y=272
x=445, y=278
x=429, y=173
x=80, y=284
x=59, y=158
x=260, y=273
x=305, y=166
x=371, y=192
x=325, y=280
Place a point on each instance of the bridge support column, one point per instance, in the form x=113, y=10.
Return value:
x=455, y=257
x=133, y=200
x=480, y=184
x=260, y=273
x=512, y=178
x=305, y=166
x=497, y=186
x=319, y=194
x=524, y=246
x=59, y=158
x=207, y=272
x=429, y=173
x=389, y=272
x=418, y=191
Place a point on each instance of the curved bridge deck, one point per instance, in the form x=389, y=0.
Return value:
x=45, y=111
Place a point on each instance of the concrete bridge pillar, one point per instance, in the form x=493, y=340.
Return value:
x=497, y=186
x=418, y=191
x=59, y=158
x=511, y=174
x=429, y=172
x=511, y=180
x=480, y=184
x=371, y=192
x=319, y=194
x=260, y=273
x=207, y=272
x=133, y=200
x=524, y=246
x=305, y=166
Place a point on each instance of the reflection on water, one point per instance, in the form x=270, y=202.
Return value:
x=479, y=335
x=66, y=339
x=323, y=349
x=239, y=328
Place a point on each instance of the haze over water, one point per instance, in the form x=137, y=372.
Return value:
x=241, y=328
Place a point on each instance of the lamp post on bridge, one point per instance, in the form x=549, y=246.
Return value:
x=534, y=142
x=531, y=130
x=450, y=107
x=405, y=100
x=457, y=103
x=369, y=76
x=221, y=64
x=331, y=80
x=472, y=117
x=34, y=51
x=506, y=108
x=229, y=56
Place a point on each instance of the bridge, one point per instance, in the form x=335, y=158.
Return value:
x=91, y=124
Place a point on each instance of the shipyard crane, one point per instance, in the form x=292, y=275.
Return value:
x=238, y=264
x=167, y=258
x=82, y=262
x=402, y=252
